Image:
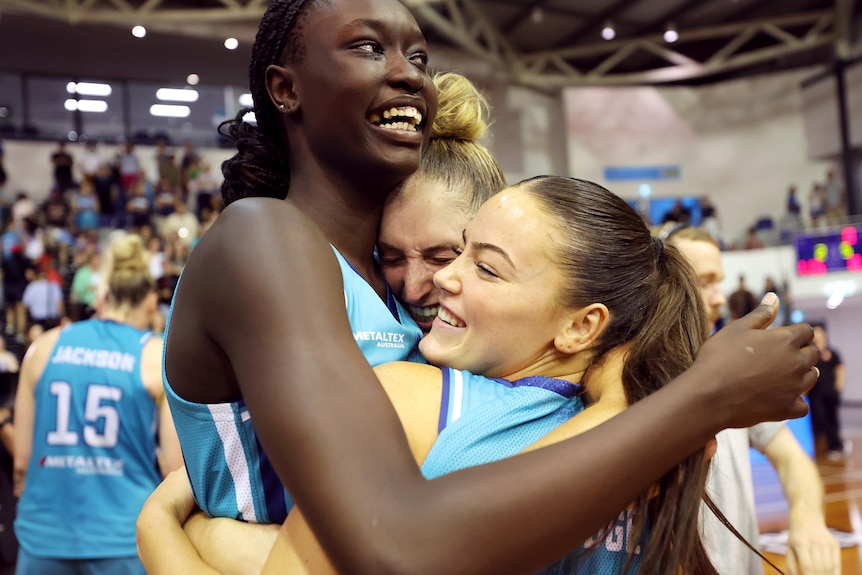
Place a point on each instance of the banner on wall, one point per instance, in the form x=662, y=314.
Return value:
x=642, y=173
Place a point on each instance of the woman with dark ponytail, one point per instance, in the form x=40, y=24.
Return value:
x=262, y=366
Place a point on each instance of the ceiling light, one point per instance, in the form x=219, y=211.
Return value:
x=246, y=101
x=96, y=106
x=608, y=32
x=537, y=15
x=139, y=31
x=231, y=43
x=170, y=111
x=670, y=34
x=177, y=95
x=89, y=89
x=193, y=79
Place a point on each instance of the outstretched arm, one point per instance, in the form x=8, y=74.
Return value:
x=812, y=550
x=337, y=444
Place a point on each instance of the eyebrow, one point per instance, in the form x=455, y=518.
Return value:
x=379, y=26
x=428, y=250
x=490, y=247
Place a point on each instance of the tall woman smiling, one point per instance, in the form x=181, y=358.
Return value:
x=259, y=322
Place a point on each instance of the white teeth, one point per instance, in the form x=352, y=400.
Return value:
x=403, y=126
x=451, y=320
x=413, y=116
x=429, y=312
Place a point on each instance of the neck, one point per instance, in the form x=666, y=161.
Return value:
x=346, y=209
x=137, y=316
x=604, y=382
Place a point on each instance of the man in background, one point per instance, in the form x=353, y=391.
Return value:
x=811, y=547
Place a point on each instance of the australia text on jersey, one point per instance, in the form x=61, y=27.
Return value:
x=83, y=464
x=100, y=358
x=383, y=338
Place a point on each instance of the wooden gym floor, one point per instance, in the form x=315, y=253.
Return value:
x=842, y=481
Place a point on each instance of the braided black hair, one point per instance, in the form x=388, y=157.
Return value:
x=260, y=167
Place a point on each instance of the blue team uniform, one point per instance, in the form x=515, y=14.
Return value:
x=483, y=420
x=228, y=469
x=94, y=448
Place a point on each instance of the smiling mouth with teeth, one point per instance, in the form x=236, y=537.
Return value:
x=406, y=118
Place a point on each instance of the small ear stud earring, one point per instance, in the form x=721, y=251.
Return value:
x=282, y=107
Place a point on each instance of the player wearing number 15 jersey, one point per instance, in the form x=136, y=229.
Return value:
x=91, y=417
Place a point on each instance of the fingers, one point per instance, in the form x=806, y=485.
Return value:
x=761, y=316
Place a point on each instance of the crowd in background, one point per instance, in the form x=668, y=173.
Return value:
x=51, y=250
x=826, y=203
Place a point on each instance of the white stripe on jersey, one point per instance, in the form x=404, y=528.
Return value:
x=457, y=394
x=234, y=455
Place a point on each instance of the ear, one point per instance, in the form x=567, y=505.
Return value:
x=581, y=328
x=283, y=87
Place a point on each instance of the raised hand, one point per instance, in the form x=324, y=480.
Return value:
x=758, y=374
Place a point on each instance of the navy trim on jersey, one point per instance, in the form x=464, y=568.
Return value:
x=560, y=386
x=276, y=507
x=444, y=402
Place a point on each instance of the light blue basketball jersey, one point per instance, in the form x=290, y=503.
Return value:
x=94, y=446
x=230, y=474
x=484, y=420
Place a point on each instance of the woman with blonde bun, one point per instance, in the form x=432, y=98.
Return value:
x=93, y=430
x=424, y=219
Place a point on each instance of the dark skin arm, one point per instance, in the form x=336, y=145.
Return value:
x=260, y=310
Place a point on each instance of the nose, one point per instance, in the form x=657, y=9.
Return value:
x=418, y=284
x=716, y=296
x=406, y=73
x=447, y=279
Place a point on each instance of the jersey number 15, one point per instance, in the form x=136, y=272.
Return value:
x=100, y=406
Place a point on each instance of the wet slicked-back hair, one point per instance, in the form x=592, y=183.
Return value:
x=260, y=166
x=607, y=255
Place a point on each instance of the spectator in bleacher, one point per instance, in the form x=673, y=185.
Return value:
x=678, y=213
x=139, y=208
x=15, y=267
x=91, y=161
x=752, y=240
x=33, y=240
x=82, y=296
x=129, y=166
x=63, y=164
x=203, y=190
x=85, y=207
x=793, y=206
x=741, y=301
x=55, y=215
x=44, y=300
x=107, y=194
x=709, y=220
x=23, y=208
x=165, y=198
x=181, y=224
x=170, y=170
x=836, y=199
x=817, y=204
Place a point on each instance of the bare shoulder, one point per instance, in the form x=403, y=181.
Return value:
x=415, y=391
x=38, y=354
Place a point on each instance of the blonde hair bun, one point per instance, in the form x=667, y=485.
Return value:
x=462, y=110
x=128, y=255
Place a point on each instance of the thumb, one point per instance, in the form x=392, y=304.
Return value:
x=761, y=316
